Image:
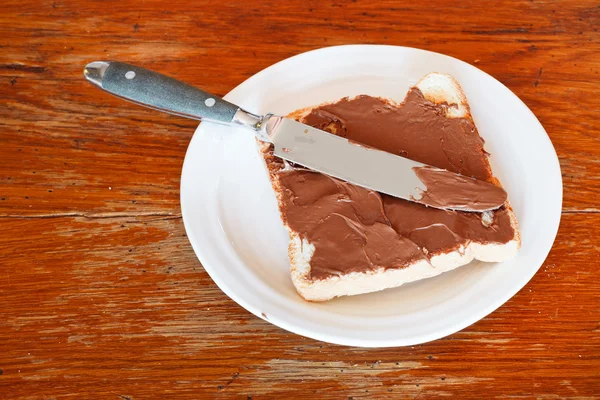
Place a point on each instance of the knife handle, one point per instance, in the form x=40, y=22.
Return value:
x=157, y=91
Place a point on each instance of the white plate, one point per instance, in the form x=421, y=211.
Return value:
x=232, y=221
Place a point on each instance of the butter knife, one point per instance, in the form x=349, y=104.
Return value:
x=302, y=144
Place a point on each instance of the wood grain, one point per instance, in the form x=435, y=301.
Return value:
x=103, y=305
x=101, y=294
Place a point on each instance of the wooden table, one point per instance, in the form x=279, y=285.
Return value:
x=101, y=294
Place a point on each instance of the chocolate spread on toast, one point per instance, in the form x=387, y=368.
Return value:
x=356, y=230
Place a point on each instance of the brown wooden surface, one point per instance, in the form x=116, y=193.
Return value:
x=101, y=295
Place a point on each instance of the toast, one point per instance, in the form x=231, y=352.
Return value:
x=351, y=246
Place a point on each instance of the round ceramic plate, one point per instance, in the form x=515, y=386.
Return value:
x=231, y=216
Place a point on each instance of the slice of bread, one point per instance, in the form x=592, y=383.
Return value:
x=439, y=89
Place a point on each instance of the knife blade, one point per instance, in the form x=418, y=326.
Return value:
x=302, y=144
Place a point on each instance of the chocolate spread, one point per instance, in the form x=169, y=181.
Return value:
x=445, y=189
x=356, y=230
